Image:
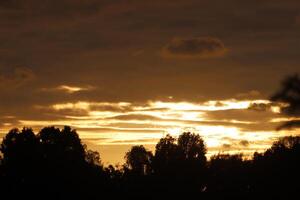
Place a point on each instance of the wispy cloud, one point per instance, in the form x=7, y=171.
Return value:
x=68, y=89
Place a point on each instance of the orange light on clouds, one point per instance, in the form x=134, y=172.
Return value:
x=125, y=123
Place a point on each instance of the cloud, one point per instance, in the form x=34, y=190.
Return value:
x=200, y=47
x=244, y=143
x=289, y=125
x=136, y=117
x=69, y=89
x=267, y=107
x=226, y=146
x=249, y=115
x=260, y=106
x=17, y=78
x=52, y=8
x=251, y=94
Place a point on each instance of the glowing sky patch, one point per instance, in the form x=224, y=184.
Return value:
x=70, y=89
x=125, y=123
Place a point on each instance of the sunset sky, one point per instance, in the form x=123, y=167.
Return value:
x=129, y=72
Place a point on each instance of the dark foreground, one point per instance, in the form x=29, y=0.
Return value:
x=54, y=164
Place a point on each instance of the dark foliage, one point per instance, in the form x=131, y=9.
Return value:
x=54, y=164
x=51, y=164
x=289, y=95
x=138, y=160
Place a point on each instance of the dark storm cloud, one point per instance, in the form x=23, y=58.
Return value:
x=201, y=47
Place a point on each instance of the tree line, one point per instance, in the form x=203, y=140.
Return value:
x=55, y=164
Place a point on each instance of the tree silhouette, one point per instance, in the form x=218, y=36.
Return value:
x=289, y=94
x=288, y=143
x=61, y=145
x=180, y=165
x=19, y=146
x=276, y=171
x=51, y=158
x=138, y=159
x=227, y=174
x=192, y=146
x=92, y=157
x=167, y=155
x=21, y=157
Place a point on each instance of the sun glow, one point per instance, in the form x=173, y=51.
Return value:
x=126, y=123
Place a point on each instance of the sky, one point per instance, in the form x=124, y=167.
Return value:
x=129, y=72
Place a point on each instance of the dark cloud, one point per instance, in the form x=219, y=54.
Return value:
x=244, y=143
x=268, y=107
x=55, y=8
x=92, y=42
x=18, y=77
x=238, y=145
x=112, y=108
x=226, y=146
x=201, y=47
x=260, y=106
